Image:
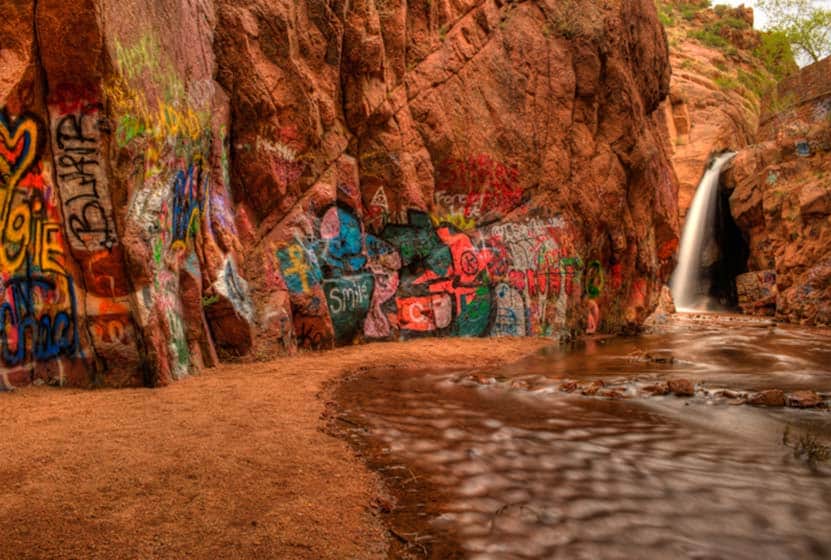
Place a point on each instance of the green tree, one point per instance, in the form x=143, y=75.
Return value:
x=806, y=26
x=776, y=54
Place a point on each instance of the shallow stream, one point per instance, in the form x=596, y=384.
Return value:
x=504, y=464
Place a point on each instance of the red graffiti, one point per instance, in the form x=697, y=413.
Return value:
x=425, y=314
x=549, y=279
x=74, y=98
x=479, y=187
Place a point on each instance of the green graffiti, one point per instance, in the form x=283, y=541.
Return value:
x=418, y=241
x=129, y=128
x=474, y=316
x=182, y=351
x=158, y=249
x=595, y=281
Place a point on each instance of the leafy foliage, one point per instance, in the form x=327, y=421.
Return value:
x=755, y=82
x=710, y=38
x=689, y=10
x=726, y=82
x=806, y=26
x=776, y=54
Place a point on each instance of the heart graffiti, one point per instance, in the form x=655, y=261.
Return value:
x=18, y=149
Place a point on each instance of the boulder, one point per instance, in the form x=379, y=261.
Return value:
x=768, y=397
x=657, y=389
x=682, y=387
x=804, y=399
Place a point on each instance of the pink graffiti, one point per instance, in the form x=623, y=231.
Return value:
x=377, y=324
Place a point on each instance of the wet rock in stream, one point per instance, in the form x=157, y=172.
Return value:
x=769, y=397
x=804, y=399
x=682, y=387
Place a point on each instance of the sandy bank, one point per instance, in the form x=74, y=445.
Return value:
x=228, y=464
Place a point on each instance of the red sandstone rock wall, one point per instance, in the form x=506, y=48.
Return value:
x=781, y=202
x=715, y=94
x=190, y=182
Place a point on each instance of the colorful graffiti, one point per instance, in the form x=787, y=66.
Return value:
x=595, y=279
x=177, y=113
x=39, y=310
x=341, y=266
x=422, y=279
x=166, y=129
x=446, y=263
x=299, y=268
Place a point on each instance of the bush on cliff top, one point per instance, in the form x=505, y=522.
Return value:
x=776, y=54
x=709, y=37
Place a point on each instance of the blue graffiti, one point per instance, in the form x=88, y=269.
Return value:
x=340, y=249
x=299, y=268
x=52, y=335
x=188, y=202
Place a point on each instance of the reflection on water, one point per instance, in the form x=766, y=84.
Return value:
x=518, y=469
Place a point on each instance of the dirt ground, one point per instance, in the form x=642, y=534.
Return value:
x=232, y=463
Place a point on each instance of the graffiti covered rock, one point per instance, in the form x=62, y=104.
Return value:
x=185, y=183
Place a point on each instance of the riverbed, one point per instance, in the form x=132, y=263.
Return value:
x=568, y=454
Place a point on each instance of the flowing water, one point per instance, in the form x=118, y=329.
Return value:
x=504, y=464
x=698, y=225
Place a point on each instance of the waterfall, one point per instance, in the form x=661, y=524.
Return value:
x=698, y=229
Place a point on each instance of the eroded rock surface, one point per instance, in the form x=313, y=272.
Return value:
x=719, y=77
x=781, y=202
x=190, y=182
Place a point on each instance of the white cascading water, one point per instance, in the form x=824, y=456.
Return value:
x=700, y=222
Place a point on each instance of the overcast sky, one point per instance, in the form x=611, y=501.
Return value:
x=760, y=19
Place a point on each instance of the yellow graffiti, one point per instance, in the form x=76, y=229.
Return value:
x=139, y=118
x=455, y=219
x=15, y=173
x=299, y=268
x=27, y=231
x=168, y=117
x=143, y=55
x=51, y=249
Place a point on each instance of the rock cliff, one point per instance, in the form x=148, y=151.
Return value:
x=721, y=69
x=781, y=200
x=188, y=182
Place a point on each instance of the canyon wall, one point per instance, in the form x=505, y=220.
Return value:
x=190, y=182
x=721, y=69
x=781, y=200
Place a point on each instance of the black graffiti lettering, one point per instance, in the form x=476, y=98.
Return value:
x=71, y=129
x=79, y=167
x=77, y=137
x=92, y=213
